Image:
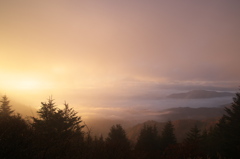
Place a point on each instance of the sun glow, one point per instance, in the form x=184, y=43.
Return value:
x=28, y=84
x=22, y=84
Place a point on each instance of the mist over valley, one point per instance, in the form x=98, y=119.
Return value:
x=101, y=114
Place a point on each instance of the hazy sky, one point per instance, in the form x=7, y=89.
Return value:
x=118, y=46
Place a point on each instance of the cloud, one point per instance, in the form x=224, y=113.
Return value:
x=98, y=45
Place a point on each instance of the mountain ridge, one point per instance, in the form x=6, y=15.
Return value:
x=198, y=94
x=200, y=113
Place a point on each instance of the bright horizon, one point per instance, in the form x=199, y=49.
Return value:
x=97, y=51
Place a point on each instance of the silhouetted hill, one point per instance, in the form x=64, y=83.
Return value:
x=183, y=119
x=181, y=127
x=195, y=94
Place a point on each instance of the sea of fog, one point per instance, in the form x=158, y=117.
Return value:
x=117, y=107
x=142, y=110
x=101, y=112
x=129, y=112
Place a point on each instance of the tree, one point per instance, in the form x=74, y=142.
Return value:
x=168, y=137
x=5, y=108
x=193, y=144
x=147, y=145
x=228, y=130
x=148, y=139
x=50, y=119
x=56, y=121
x=194, y=135
x=58, y=131
x=15, y=138
x=97, y=148
x=15, y=133
x=117, y=143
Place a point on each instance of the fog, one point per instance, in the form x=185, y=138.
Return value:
x=130, y=112
x=137, y=108
x=100, y=110
x=147, y=109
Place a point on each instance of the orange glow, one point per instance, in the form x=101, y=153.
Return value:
x=84, y=52
x=28, y=84
x=14, y=80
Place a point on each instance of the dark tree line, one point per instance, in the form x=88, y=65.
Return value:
x=152, y=145
x=58, y=133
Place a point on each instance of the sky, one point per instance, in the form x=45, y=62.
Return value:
x=105, y=49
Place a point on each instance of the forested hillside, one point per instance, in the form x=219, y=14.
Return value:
x=181, y=127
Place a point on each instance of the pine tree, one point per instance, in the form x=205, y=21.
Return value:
x=58, y=131
x=15, y=133
x=148, y=139
x=228, y=130
x=147, y=145
x=117, y=143
x=48, y=121
x=56, y=121
x=194, y=135
x=193, y=143
x=98, y=148
x=168, y=141
x=5, y=108
x=168, y=137
x=72, y=121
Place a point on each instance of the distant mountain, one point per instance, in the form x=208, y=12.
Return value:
x=191, y=113
x=196, y=94
x=183, y=119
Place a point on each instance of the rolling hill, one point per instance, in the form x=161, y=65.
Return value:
x=191, y=113
x=196, y=94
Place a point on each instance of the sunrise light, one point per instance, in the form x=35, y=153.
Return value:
x=28, y=84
